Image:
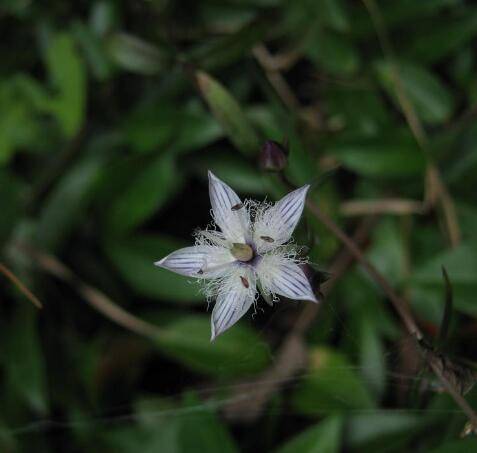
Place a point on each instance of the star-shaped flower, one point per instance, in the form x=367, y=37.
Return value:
x=250, y=253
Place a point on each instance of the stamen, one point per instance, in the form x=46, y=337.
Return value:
x=245, y=282
x=237, y=207
x=200, y=271
x=267, y=239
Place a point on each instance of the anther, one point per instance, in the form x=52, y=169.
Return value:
x=267, y=238
x=237, y=206
x=200, y=271
x=245, y=282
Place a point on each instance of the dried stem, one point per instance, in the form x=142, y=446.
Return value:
x=399, y=304
x=434, y=179
x=22, y=288
x=93, y=296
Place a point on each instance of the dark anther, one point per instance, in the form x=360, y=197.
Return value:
x=237, y=207
x=267, y=238
x=200, y=271
x=244, y=282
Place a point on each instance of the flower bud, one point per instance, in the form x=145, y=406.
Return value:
x=273, y=156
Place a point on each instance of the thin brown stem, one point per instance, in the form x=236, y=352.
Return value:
x=97, y=299
x=399, y=304
x=21, y=287
x=434, y=179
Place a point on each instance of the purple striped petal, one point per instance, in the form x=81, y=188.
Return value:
x=232, y=303
x=275, y=225
x=289, y=209
x=284, y=277
x=197, y=261
x=229, y=213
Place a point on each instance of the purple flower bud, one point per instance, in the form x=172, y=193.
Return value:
x=273, y=156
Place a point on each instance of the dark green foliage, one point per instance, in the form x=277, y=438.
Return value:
x=112, y=112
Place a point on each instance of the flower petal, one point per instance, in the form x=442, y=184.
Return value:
x=282, y=276
x=275, y=225
x=229, y=213
x=197, y=261
x=234, y=300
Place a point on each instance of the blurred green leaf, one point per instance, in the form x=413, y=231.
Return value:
x=68, y=78
x=324, y=437
x=431, y=99
x=134, y=259
x=133, y=54
x=460, y=263
x=10, y=194
x=17, y=126
x=381, y=428
x=333, y=52
x=443, y=36
x=455, y=446
x=204, y=431
x=228, y=113
x=23, y=359
x=237, y=352
x=382, y=157
x=65, y=206
x=93, y=51
x=144, y=195
x=332, y=385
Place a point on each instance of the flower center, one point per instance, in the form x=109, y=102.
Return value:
x=242, y=252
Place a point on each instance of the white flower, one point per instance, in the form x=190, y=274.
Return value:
x=250, y=253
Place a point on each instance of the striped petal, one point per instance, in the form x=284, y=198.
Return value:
x=282, y=276
x=229, y=213
x=197, y=261
x=275, y=225
x=233, y=301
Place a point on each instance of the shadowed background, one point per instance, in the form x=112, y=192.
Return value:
x=111, y=113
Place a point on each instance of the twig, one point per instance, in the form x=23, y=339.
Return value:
x=399, y=304
x=93, y=296
x=382, y=206
x=434, y=179
x=21, y=287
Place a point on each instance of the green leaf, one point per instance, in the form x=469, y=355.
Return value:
x=144, y=195
x=229, y=114
x=442, y=37
x=383, y=157
x=66, y=204
x=204, y=431
x=10, y=194
x=18, y=128
x=135, y=55
x=23, y=359
x=433, y=102
x=455, y=446
x=237, y=352
x=381, y=427
x=460, y=263
x=68, y=77
x=134, y=259
x=333, y=52
x=331, y=385
x=324, y=437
